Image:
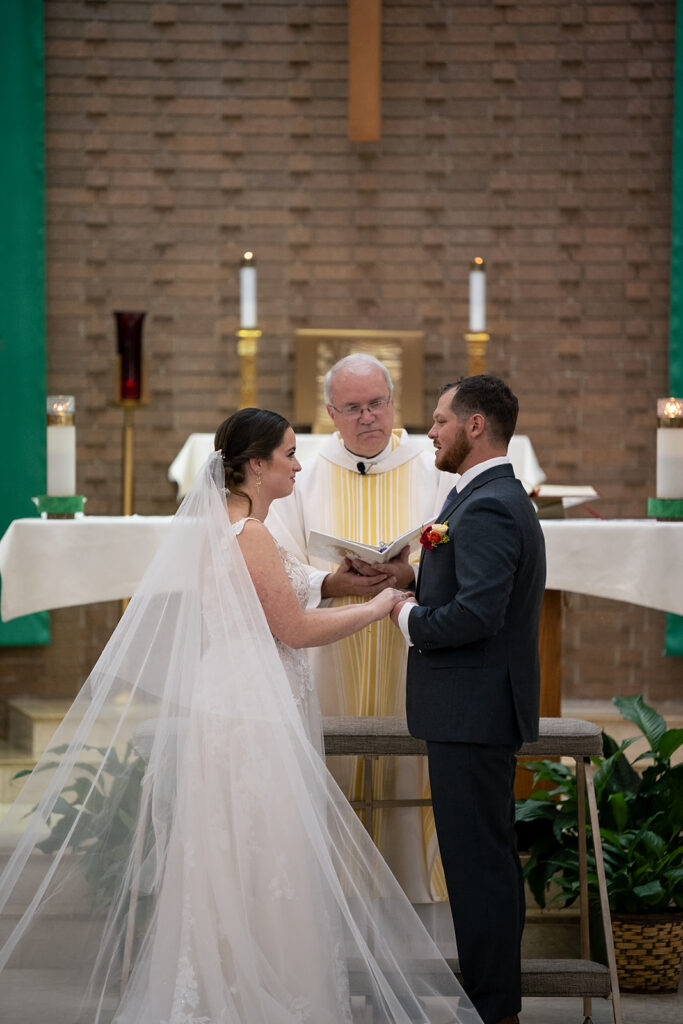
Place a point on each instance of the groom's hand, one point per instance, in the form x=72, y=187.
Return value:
x=396, y=610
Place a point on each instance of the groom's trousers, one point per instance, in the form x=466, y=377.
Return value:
x=473, y=798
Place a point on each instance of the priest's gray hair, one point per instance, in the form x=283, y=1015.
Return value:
x=360, y=359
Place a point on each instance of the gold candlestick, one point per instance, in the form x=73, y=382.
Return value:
x=476, y=351
x=127, y=433
x=247, y=350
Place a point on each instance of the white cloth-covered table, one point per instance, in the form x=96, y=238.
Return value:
x=198, y=447
x=57, y=563
x=638, y=561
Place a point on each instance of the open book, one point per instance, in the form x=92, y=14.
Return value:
x=552, y=497
x=335, y=549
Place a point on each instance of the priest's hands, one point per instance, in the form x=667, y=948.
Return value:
x=346, y=581
x=361, y=579
x=399, y=566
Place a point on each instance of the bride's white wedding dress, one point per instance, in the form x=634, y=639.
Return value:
x=227, y=854
x=295, y=661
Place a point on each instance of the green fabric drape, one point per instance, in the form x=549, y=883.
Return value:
x=674, y=623
x=22, y=272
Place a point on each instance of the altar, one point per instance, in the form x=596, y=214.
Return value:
x=57, y=563
x=198, y=447
x=62, y=563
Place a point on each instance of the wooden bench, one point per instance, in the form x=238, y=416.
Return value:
x=371, y=738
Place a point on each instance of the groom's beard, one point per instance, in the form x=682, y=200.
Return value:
x=451, y=459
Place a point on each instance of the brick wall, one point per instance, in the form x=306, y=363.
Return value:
x=534, y=133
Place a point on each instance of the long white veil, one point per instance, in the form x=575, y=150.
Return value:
x=180, y=854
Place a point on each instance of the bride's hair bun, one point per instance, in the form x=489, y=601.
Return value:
x=235, y=472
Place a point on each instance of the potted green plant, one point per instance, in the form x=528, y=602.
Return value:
x=641, y=820
x=106, y=804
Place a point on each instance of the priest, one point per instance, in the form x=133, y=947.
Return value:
x=369, y=483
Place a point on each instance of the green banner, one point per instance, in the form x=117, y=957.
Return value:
x=674, y=623
x=22, y=272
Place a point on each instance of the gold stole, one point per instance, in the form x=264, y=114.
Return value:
x=371, y=663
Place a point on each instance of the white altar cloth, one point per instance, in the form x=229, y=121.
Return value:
x=198, y=447
x=57, y=563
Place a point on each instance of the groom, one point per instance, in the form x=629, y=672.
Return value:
x=473, y=679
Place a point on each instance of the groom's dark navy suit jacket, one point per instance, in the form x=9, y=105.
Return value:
x=473, y=670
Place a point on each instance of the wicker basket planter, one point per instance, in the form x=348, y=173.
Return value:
x=649, y=950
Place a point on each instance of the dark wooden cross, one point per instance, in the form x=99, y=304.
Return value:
x=365, y=70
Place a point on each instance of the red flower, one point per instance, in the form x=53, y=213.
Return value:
x=435, y=533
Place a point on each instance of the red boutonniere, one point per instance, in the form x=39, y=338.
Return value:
x=435, y=534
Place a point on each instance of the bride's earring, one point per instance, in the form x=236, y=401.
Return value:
x=258, y=484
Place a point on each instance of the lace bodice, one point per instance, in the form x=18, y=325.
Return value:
x=295, y=661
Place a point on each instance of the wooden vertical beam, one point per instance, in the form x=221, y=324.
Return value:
x=365, y=70
x=550, y=655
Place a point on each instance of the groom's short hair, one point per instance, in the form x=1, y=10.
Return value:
x=489, y=396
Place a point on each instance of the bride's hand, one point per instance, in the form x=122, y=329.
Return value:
x=385, y=601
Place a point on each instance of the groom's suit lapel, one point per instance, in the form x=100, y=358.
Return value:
x=455, y=499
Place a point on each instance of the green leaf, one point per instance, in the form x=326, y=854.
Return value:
x=602, y=776
x=127, y=820
x=652, y=890
x=619, y=808
x=39, y=768
x=652, y=843
x=62, y=806
x=649, y=721
x=533, y=810
x=669, y=743
x=57, y=836
x=81, y=788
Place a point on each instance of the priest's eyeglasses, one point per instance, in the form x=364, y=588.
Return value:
x=352, y=410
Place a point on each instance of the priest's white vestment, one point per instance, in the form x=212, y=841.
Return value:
x=365, y=673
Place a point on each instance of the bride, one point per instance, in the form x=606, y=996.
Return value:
x=180, y=854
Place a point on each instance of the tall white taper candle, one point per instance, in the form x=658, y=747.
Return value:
x=477, y=296
x=248, y=317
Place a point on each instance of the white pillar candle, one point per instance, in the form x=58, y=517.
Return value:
x=248, y=291
x=670, y=448
x=477, y=296
x=61, y=445
x=669, y=463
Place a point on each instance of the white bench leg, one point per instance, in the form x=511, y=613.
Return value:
x=602, y=888
x=583, y=876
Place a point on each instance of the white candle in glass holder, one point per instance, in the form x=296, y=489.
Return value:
x=477, y=296
x=670, y=448
x=248, y=291
x=61, y=445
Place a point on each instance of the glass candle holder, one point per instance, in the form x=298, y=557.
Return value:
x=129, y=348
